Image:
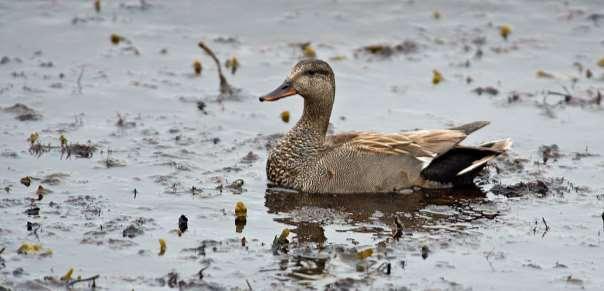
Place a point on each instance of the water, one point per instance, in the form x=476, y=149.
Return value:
x=470, y=239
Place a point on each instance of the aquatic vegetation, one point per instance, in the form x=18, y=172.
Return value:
x=240, y=210
x=505, y=31
x=281, y=243
x=116, y=38
x=364, y=254
x=407, y=47
x=33, y=137
x=23, y=112
x=67, y=276
x=162, y=247
x=33, y=249
x=97, y=6
x=436, y=14
x=487, y=90
x=437, y=77
x=544, y=75
x=197, y=67
x=232, y=64
x=308, y=51
x=225, y=89
x=284, y=116
x=26, y=181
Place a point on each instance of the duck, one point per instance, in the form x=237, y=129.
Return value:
x=308, y=160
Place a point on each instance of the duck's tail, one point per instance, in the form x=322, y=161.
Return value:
x=460, y=165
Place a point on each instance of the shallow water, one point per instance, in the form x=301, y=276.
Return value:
x=458, y=240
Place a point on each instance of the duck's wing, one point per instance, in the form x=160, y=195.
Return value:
x=419, y=144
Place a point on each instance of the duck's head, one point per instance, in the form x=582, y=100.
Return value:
x=312, y=79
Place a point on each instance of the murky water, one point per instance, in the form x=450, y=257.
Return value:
x=57, y=59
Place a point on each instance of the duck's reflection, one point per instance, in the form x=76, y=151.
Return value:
x=309, y=212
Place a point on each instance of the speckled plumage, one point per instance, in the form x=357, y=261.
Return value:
x=307, y=160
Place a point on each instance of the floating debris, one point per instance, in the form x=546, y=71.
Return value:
x=549, y=152
x=197, y=67
x=27, y=248
x=601, y=63
x=63, y=140
x=251, y=157
x=425, y=252
x=202, y=107
x=23, y=112
x=397, y=231
x=281, y=243
x=33, y=137
x=32, y=249
x=33, y=211
x=365, y=254
x=116, y=39
x=436, y=14
x=41, y=191
x=285, y=116
x=232, y=64
x=132, y=231
x=308, y=50
x=544, y=75
x=488, y=90
x=183, y=223
x=84, y=151
x=240, y=210
x=437, y=77
x=97, y=6
x=122, y=123
x=522, y=189
x=162, y=247
x=225, y=88
x=67, y=276
x=384, y=50
x=505, y=31
x=26, y=181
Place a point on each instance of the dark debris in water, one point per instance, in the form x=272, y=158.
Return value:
x=384, y=50
x=133, y=231
x=487, y=90
x=540, y=188
x=522, y=189
x=23, y=112
x=183, y=223
x=549, y=152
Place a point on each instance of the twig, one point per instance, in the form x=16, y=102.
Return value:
x=2, y=250
x=70, y=284
x=489, y=261
x=225, y=88
x=79, y=81
x=248, y=284
x=544, y=222
x=200, y=273
x=546, y=227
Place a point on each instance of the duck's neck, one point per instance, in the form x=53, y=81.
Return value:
x=301, y=145
x=315, y=120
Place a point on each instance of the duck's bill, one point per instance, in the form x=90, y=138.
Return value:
x=286, y=89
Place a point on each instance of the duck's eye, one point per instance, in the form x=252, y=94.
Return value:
x=312, y=73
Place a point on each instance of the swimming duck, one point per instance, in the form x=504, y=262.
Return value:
x=308, y=160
